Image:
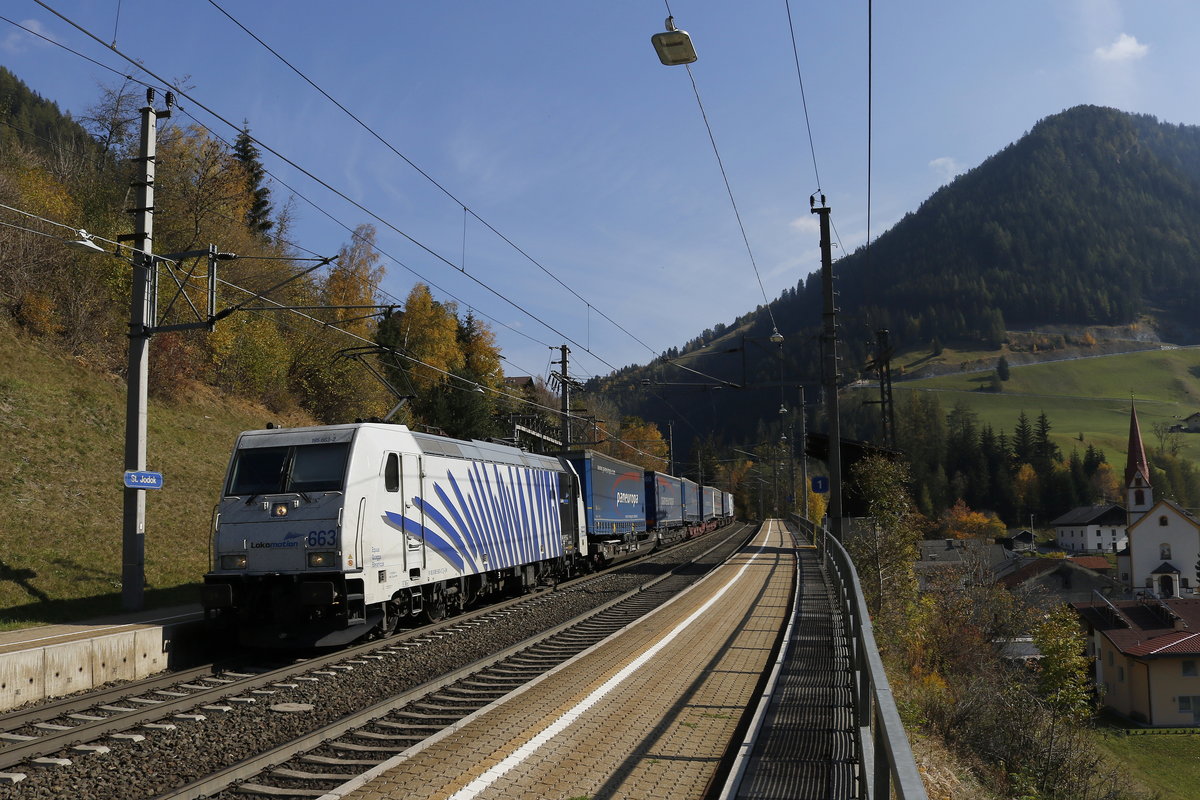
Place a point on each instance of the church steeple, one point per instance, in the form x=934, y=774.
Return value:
x=1137, y=471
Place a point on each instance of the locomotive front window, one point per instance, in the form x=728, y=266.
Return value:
x=319, y=468
x=258, y=471
x=303, y=468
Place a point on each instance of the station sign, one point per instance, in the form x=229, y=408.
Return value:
x=142, y=479
x=820, y=484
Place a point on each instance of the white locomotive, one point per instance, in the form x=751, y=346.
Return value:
x=326, y=533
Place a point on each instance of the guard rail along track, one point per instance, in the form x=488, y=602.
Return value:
x=886, y=764
x=164, y=732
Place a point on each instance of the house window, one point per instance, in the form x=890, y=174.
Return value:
x=1189, y=668
x=1120, y=674
x=1110, y=658
x=1164, y=551
x=1183, y=582
x=1163, y=520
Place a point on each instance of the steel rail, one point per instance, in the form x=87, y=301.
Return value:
x=255, y=765
x=77, y=703
x=89, y=731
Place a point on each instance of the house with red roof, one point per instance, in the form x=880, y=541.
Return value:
x=1146, y=655
x=1146, y=651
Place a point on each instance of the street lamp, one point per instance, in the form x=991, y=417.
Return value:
x=674, y=47
x=85, y=242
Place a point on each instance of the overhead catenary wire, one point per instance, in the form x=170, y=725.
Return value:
x=184, y=93
x=275, y=177
x=379, y=290
x=325, y=324
x=729, y=190
x=466, y=209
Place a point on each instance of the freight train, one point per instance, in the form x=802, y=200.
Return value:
x=327, y=534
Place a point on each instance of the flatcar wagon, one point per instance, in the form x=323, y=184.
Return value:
x=664, y=507
x=614, y=501
x=691, y=502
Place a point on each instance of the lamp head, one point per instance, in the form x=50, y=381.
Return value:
x=85, y=242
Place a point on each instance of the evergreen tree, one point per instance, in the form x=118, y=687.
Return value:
x=258, y=216
x=1045, y=452
x=1022, y=441
x=1002, y=371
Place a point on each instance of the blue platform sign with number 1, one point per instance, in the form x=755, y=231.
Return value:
x=820, y=484
x=135, y=479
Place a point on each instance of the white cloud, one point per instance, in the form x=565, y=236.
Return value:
x=19, y=41
x=946, y=167
x=1125, y=48
x=806, y=224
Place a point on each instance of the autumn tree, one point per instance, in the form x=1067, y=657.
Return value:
x=353, y=282
x=960, y=522
x=451, y=366
x=885, y=549
x=640, y=442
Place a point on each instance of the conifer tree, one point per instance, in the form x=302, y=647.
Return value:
x=258, y=216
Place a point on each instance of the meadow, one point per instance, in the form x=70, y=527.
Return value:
x=62, y=428
x=1086, y=399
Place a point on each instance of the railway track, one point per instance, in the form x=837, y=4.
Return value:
x=322, y=720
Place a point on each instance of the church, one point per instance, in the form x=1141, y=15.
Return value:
x=1163, y=550
x=1146, y=651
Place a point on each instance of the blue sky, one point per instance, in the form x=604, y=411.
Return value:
x=555, y=123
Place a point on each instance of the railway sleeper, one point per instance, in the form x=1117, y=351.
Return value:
x=407, y=726
x=331, y=761
x=275, y=791
x=301, y=775
x=365, y=748
x=445, y=719
x=510, y=672
x=389, y=737
x=462, y=708
x=461, y=692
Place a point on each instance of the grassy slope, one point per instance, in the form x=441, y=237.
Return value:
x=62, y=438
x=1088, y=396
x=1168, y=763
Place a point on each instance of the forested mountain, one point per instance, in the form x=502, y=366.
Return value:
x=1093, y=217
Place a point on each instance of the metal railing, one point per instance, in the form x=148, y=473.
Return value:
x=885, y=757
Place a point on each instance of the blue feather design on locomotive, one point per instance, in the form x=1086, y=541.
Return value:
x=498, y=517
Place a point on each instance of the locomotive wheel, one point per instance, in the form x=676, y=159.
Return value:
x=435, y=607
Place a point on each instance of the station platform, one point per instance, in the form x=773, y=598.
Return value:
x=652, y=712
x=49, y=661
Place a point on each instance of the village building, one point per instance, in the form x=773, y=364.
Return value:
x=1146, y=654
x=1022, y=541
x=967, y=560
x=1070, y=580
x=1163, y=539
x=1146, y=651
x=1091, y=529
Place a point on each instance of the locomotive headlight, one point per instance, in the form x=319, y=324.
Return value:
x=322, y=559
x=235, y=561
x=279, y=510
